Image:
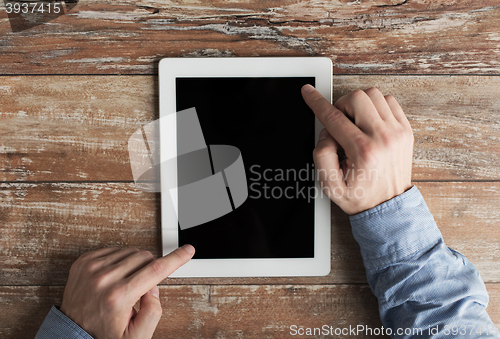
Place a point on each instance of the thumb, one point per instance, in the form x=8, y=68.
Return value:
x=146, y=320
x=328, y=167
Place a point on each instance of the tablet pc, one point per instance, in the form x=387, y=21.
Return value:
x=281, y=227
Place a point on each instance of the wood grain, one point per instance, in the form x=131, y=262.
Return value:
x=65, y=179
x=454, y=121
x=203, y=311
x=76, y=128
x=45, y=227
x=72, y=128
x=375, y=36
x=244, y=311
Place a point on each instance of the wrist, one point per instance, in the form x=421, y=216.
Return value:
x=370, y=198
x=390, y=231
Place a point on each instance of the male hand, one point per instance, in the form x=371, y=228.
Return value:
x=378, y=144
x=104, y=285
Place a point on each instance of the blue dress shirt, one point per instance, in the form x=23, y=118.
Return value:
x=424, y=289
x=58, y=326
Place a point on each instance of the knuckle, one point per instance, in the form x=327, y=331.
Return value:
x=113, y=297
x=321, y=151
x=357, y=94
x=155, y=312
x=91, y=266
x=332, y=116
x=159, y=267
x=397, y=135
x=389, y=98
x=316, y=101
x=96, y=283
x=317, y=97
x=99, y=281
x=390, y=138
x=148, y=255
x=363, y=144
x=366, y=149
x=369, y=158
x=372, y=91
x=177, y=254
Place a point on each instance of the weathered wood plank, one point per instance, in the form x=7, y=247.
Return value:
x=245, y=311
x=375, y=36
x=45, y=227
x=67, y=128
x=203, y=311
x=72, y=128
x=455, y=121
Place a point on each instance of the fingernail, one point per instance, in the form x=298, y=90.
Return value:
x=188, y=248
x=307, y=88
x=155, y=291
x=323, y=134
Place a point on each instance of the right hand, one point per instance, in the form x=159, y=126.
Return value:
x=378, y=146
x=104, y=285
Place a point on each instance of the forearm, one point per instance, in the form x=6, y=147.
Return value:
x=419, y=282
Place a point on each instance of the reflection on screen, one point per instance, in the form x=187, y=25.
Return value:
x=267, y=119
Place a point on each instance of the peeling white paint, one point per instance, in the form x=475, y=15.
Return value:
x=99, y=60
x=253, y=32
x=365, y=66
x=108, y=15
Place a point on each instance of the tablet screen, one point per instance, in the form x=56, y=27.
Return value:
x=267, y=119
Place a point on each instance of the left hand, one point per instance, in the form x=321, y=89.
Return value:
x=104, y=285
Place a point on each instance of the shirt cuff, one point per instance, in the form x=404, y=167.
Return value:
x=58, y=326
x=394, y=230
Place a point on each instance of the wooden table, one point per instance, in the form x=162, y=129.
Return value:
x=74, y=89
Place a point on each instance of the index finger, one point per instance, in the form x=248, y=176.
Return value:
x=150, y=275
x=335, y=121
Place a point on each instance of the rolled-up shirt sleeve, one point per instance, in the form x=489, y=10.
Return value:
x=424, y=288
x=58, y=326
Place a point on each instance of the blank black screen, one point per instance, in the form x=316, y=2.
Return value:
x=267, y=119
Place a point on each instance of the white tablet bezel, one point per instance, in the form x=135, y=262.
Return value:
x=169, y=70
